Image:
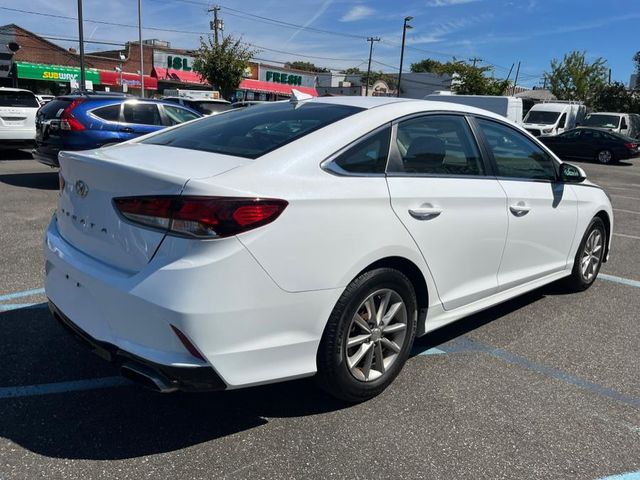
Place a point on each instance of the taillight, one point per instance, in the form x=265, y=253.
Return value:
x=68, y=121
x=201, y=217
x=631, y=146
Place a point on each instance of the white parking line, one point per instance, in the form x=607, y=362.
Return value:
x=625, y=236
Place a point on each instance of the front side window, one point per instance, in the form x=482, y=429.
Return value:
x=253, y=132
x=366, y=156
x=437, y=145
x=142, y=113
x=516, y=156
x=176, y=115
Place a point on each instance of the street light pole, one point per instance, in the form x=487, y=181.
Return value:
x=141, y=48
x=370, y=40
x=81, y=38
x=404, y=35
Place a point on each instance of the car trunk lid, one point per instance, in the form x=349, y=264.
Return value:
x=87, y=218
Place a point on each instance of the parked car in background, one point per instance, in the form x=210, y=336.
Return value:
x=592, y=144
x=246, y=103
x=45, y=98
x=18, y=109
x=86, y=121
x=204, y=106
x=311, y=237
x=553, y=118
x=508, y=107
x=627, y=124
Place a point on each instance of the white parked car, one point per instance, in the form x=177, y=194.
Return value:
x=17, y=117
x=310, y=238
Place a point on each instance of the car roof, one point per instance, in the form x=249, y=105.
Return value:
x=607, y=113
x=9, y=89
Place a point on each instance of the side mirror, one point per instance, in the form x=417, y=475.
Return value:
x=572, y=174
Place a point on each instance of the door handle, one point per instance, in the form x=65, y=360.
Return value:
x=425, y=212
x=126, y=129
x=520, y=209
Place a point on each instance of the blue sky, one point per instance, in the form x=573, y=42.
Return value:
x=500, y=32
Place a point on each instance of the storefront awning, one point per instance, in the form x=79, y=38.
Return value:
x=108, y=77
x=177, y=76
x=271, y=87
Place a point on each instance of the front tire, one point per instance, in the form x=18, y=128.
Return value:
x=589, y=257
x=368, y=336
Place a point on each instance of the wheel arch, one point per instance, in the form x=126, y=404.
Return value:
x=415, y=275
x=604, y=216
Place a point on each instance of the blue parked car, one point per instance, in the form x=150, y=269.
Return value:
x=86, y=121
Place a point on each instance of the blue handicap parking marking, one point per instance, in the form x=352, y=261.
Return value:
x=23, y=293
x=15, y=306
x=623, y=476
x=620, y=280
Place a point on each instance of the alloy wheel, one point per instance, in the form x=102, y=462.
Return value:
x=376, y=335
x=591, y=255
x=605, y=156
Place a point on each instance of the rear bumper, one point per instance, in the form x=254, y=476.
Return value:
x=188, y=379
x=49, y=159
x=249, y=331
x=17, y=134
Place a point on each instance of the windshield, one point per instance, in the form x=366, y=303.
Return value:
x=207, y=108
x=253, y=132
x=18, y=99
x=602, y=121
x=541, y=117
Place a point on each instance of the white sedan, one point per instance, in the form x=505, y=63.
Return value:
x=316, y=237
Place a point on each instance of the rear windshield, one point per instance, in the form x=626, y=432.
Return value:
x=53, y=109
x=18, y=99
x=207, y=108
x=253, y=132
x=541, y=117
x=602, y=121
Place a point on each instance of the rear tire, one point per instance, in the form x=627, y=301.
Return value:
x=368, y=336
x=589, y=257
x=605, y=157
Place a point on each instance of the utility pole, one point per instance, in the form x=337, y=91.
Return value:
x=404, y=35
x=609, y=76
x=370, y=40
x=81, y=38
x=217, y=24
x=474, y=60
x=515, y=83
x=141, y=48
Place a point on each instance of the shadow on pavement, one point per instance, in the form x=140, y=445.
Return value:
x=40, y=180
x=128, y=422
x=12, y=154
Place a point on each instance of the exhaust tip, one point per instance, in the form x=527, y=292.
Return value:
x=147, y=378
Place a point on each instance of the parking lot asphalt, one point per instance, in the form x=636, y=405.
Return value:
x=544, y=386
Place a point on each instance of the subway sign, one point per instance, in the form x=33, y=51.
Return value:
x=55, y=73
x=281, y=77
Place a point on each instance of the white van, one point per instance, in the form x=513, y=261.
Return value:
x=509, y=107
x=624, y=123
x=17, y=117
x=553, y=118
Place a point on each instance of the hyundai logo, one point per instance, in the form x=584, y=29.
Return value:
x=82, y=189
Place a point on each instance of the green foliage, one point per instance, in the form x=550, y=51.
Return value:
x=574, y=78
x=615, y=98
x=636, y=60
x=472, y=79
x=223, y=64
x=307, y=66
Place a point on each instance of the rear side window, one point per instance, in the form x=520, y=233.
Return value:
x=18, y=99
x=110, y=113
x=437, y=145
x=142, y=113
x=176, y=115
x=255, y=131
x=515, y=155
x=367, y=156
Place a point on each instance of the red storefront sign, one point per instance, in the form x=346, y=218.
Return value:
x=132, y=80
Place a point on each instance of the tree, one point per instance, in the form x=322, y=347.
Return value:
x=615, y=98
x=574, y=78
x=470, y=79
x=307, y=66
x=223, y=64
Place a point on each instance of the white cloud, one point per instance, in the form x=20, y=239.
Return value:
x=357, y=13
x=318, y=14
x=447, y=3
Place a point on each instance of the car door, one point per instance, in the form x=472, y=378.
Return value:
x=567, y=144
x=450, y=203
x=542, y=211
x=139, y=118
